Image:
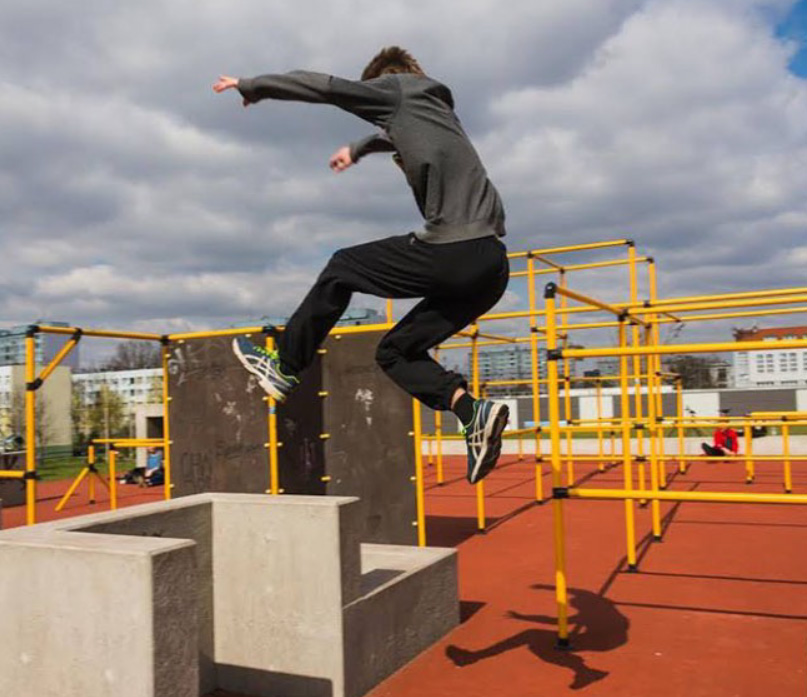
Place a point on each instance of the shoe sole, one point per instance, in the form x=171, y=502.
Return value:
x=500, y=415
x=267, y=386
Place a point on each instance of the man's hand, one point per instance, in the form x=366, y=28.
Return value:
x=224, y=83
x=341, y=159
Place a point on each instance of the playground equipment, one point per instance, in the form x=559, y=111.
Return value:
x=248, y=593
x=647, y=316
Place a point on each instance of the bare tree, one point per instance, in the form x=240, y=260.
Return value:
x=134, y=355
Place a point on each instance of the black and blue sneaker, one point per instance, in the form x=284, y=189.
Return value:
x=265, y=365
x=483, y=437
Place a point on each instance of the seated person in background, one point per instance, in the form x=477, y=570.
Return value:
x=154, y=468
x=725, y=442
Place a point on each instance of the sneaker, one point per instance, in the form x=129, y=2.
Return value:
x=265, y=365
x=484, y=437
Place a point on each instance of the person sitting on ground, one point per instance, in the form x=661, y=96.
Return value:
x=724, y=441
x=154, y=474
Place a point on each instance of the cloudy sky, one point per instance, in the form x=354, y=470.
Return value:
x=132, y=196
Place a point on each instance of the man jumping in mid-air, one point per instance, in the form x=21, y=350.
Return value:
x=456, y=263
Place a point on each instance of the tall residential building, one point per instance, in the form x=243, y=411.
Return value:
x=134, y=387
x=513, y=362
x=52, y=405
x=46, y=346
x=770, y=368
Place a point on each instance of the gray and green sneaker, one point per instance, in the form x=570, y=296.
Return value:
x=265, y=365
x=483, y=437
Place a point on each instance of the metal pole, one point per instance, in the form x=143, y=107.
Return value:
x=480, y=486
x=30, y=427
x=561, y=593
x=419, y=492
x=166, y=426
x=536, y=385
x=630, y=524
x=786, y=452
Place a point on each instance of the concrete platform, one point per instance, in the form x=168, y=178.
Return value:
x=264, y=596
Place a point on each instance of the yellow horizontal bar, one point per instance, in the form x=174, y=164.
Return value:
x=780, y=414
x=594, y=265
x=702, y=496
x=99, y=332
x=12, y=474
x=684, y=348
x=234, y=331
x=721, y=305
x=579, y=247
x=728, y=296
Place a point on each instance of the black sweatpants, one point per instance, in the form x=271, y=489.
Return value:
x=458, y=282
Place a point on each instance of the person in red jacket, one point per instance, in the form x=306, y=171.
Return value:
x=724, y=442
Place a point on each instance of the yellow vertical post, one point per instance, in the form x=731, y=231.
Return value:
x=749, y=455
x=561, y=594
x=655, y=339
x=91, y=463
x=599, y=427
x=166, y=424
x=274, y=470
x=637, y=369
x=419, y=493
x=679, y=400
x=389, y=310
x=630, y=524
x=480, y=486
x=655, y=506
x=429, y=449
x=567, y=385
x=536, y=384
x=30, y=427
x=438, y=433
x=113, y=484
x=786, y=453
x=520, y=448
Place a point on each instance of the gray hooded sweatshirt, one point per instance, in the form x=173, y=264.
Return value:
x=417, y=121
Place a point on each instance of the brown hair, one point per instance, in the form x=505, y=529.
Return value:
x=392, y=59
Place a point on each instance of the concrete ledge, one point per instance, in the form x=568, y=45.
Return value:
x=263, y=595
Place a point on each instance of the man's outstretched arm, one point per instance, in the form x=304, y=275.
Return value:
x=373, y=100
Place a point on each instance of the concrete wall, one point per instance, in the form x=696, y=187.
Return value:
x=260, y=595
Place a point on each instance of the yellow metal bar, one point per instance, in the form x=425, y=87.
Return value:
x=679, y=401
x=727, y=304
x=480, y=486
x=72, y=489
x=594, y=265
x=389, y=310
x=630, y=524
x=600, y=449
x=107, y=334
x=780, y=414
x=419, y=489
x=438, y=433
x=655, y=339
x=57, y=359
x=786, y=451
x=30, y=429
x=578, y=247
x=637, y=368
x=166, y=426
x=561, y=593
x=733, y=296
x=12, y=474
x=535, y=379
x=274, y=474
x=655, y=461
x=700, y=496
x=233, y=331
x=574, y=295
x=686, y=348
x=749, y=456
x=555, y=266
x=113, y=486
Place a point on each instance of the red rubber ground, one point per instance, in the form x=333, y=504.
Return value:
x=719, y=608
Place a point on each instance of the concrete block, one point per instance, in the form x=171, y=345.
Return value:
x=261, y=595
